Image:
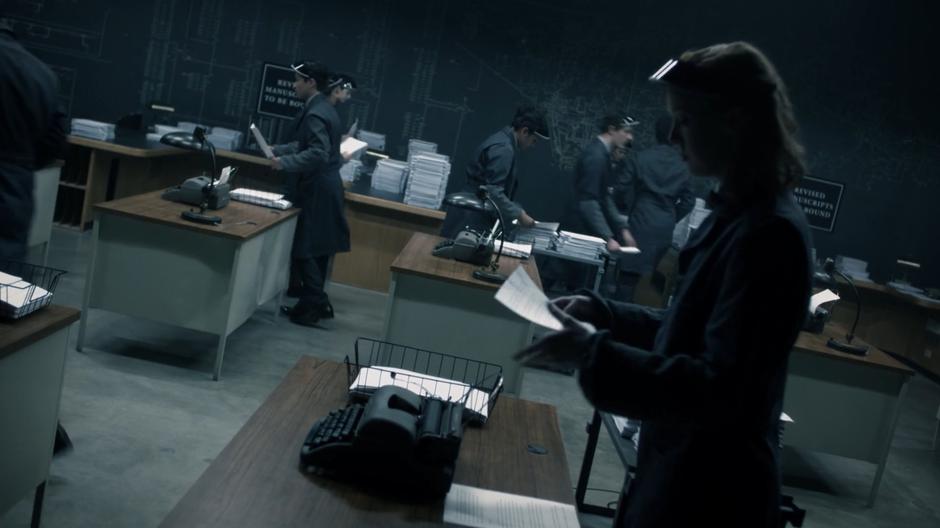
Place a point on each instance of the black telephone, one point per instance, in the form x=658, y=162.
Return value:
x=467, y=246
x=398, y=442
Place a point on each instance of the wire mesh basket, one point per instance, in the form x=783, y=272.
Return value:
x=25, y=288
x=375, y=364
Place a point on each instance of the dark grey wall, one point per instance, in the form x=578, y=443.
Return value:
x=860, y=73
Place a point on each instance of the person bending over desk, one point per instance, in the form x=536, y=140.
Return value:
x=707, y=374
x=494, y=167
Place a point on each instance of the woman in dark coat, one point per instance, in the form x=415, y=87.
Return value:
x=312, y=161
x=707, y=375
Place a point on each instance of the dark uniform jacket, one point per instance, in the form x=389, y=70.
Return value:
x=593, y=211
x=312, y=163
x=662, y=195
x=707, y=375
x=32, y=133
x=493, y=166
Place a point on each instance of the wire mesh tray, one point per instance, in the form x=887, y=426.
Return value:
x=476, y=384
x=33, y=290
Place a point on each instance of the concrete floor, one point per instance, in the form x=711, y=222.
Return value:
x=146, y=419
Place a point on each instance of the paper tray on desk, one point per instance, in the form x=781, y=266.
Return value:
x=429, y=374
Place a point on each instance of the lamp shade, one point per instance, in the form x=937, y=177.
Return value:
x=469, y=200
x=183, y=140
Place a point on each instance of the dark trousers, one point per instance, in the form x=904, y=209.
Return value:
x=310, y=276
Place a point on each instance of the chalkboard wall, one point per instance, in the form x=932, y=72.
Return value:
x=860, y=73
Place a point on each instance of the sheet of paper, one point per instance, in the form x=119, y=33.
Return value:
x=6, y=278
x=785, y=418
x=262, y=144
x=351, y=145
x=630, y=250
x=20, y=293
x=587, y=238
x=512, y=249
x=547, y=226
x=526, y=300
x=370, y=379
x=226, y=175
x=821, y=298
x=475, y=507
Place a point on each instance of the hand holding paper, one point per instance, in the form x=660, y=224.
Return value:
x=821, y=298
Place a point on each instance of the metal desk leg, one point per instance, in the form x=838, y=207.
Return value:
x=593, y=431
x=887, y=447
x=37, y=505
x=219, y=352
x=599, y=276
x=89, y=279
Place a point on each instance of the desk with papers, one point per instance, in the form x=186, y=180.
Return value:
x=147, y=262
x=255, y=480
x=435, y=304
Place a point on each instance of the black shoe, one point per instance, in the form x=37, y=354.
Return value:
x=309, y=318
x=63, y=443
x=326, y=312
x=293, y=292
x=287, y=310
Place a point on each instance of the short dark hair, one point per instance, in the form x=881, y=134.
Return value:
x=316, y=71
x=533, y=118
x=617, y=121
x=663, y=129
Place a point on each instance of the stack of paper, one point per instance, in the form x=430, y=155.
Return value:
x=427, y=180
x=513, y=249
x=476, y=401
x=93, y=129
x=351, y=147
x=16, y=292
x=417, y=146
x=188, y=126
x=855, y=268
x=389, y=176
x=226, y=138
x=350, y=170
x=375, y=140
x=262, y=198
x=581, y=246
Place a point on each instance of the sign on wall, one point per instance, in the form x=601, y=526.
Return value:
x=820, y=201
x=276, y=96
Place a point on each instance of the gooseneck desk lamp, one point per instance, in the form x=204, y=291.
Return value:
x=482, y=202
x=846, y=346
x=197, y=141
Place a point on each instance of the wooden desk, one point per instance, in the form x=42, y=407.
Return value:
x=843, y=404
x=435, y=304
x=32, y=364
x=255, y=480
x=148, y=262
x=379, y=226
x=893, y=321
x=96, y=171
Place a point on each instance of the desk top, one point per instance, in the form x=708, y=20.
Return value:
x=362, y=192
x=816, y=344
x=891, y=292
x=133, y=144
x=416, y=259
x=256, y=481
x=240, y=220
x=15, y=335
